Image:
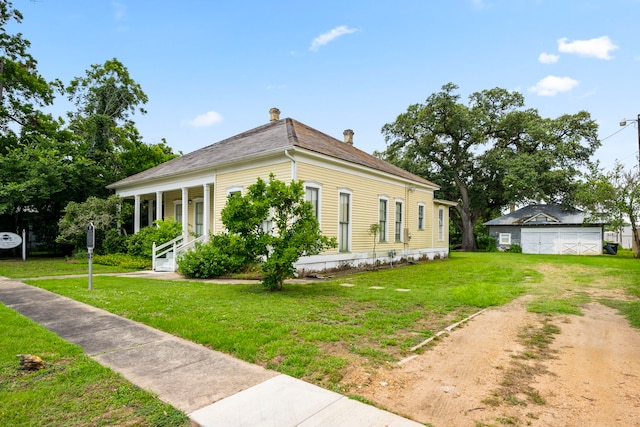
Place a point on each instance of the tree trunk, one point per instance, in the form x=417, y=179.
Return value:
x=635, y=235
x=468, y=226
x=467, y=218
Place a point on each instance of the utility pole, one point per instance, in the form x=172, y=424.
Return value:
x=637, y=120
x=638, y=126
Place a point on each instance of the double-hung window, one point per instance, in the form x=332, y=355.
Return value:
x=398, y=221
x=177, y=211
x=344, y=222
x=382, y=220
x=505, y=238
x=440, y=223
x=420, y=216
x=312, y=195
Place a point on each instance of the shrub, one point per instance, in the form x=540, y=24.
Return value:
x=123, y=260
x=141, y=243
x=516, y=249
x=114, y=242
x=487, y=243
x=224, y=253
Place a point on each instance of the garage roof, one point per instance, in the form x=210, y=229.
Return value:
x=534, y=215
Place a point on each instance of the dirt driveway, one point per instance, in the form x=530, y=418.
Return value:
x=588, y=376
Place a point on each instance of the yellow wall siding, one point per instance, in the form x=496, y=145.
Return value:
x=365, y=188
x=437, y=243
x=170, y=198
x=244, y=178
x=420, y=238
x=365, y=196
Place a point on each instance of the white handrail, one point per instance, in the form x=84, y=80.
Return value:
x=157, y=251
x=177, y=246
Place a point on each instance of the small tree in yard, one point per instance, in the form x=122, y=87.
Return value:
x=613, y=197
x=277, y=225
x=374, y=230
x=103, y=213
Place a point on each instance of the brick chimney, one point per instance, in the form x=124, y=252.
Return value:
x=274, y=115
x=348, y=136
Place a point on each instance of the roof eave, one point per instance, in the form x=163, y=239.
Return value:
x=200, y=169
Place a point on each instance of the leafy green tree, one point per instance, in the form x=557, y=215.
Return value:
x=39, y=166
x=106, y=98
x=613, y=197
x=491, y=152
x=22, y=89
x=105, y=214
x=278, y=225
x=43, y=165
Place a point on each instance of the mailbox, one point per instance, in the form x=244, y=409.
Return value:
x=91, y=236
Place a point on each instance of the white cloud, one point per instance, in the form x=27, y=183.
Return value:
x=119, y=10
x=552, y=85
x=330, y=36
x=548, y=58
x=203, y=120
x=277, y=87
x=596, y=48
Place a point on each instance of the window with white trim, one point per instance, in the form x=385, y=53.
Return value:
x=383, y=213
x=420, y=216
x=198, y=216
x=505, y=238
x=441, y=223
x=177, y=211
x=398, y=221
x=267, y=224
x=312, y=195
x=344, y=222
x=234, y=190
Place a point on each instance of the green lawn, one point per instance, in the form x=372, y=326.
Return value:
x=313, y=331
x=73, y=390
x=42, y=267
x=317, y=331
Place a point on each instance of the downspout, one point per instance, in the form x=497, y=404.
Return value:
x=294, y=166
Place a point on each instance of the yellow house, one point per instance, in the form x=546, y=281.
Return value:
x=350, y=190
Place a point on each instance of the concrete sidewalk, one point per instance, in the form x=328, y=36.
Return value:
x=214, y=389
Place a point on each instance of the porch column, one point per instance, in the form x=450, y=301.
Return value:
x=207, y=210
x=136, y=213
x=185, y=212
x=118, y=216
x=159, y=205
x=149, y=212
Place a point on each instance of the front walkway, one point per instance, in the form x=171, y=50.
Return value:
x=214, y=389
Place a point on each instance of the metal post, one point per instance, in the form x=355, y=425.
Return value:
x=91, y=243
x=24, y=244
x=90, y=255
x=638, y=126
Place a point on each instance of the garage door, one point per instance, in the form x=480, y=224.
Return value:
x=562, y=241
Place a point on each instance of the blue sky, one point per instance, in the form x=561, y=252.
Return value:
x=213, y=69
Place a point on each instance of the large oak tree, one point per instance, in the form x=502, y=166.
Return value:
x=491, y=152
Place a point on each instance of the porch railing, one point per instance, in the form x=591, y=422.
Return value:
x=164, y=256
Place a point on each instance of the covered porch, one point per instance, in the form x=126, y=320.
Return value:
x=191, y=205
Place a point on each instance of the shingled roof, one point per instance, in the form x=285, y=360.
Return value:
x=546, y=215
x=280, y=135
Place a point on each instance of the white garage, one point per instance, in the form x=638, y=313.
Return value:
x=547, y=229
x=562, y=241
